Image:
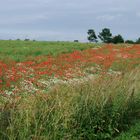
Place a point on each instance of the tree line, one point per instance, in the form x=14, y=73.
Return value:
x=106, y=37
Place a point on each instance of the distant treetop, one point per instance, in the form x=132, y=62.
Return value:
x=106, y=37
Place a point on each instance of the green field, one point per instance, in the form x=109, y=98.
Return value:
x=102, y=103
x=25, y=50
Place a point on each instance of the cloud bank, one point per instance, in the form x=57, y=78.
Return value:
x=67, y=20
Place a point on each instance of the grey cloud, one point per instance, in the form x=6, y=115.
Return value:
x=67, y=20
x=109, y=17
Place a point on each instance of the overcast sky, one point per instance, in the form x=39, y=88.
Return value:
x=68, y=19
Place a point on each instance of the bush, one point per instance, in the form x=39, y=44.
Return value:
x=129, y=42
x=27, y=39
x=138, y=41
x=117, y=39
x=76, y=40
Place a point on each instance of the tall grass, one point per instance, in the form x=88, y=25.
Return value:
x=96, y=110
x=132, y=134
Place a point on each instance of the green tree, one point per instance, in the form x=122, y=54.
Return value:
x=138, y=41
x=26, y=39
x=92, y=36
x=76, y=40
x=105, y=35
x=129, y=42
x=117, y=39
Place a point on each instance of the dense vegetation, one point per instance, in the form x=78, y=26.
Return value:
x=98, y=110
x=106, y=37
x=25, y=50
x=73, y=91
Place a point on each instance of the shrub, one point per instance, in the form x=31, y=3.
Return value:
x=117, y=39
x=129, y=42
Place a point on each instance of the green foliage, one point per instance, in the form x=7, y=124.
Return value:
x=138, y=41
x=91, y=35
x=26, y=39
x=117, y=39
x=129, y=42
x=76, y=40
x=26, y=50
x=132, y=134
x=105, y=35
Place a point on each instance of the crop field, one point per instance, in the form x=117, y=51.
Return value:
x=69, y=91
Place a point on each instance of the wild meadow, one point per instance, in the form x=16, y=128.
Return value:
x=69, y=91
